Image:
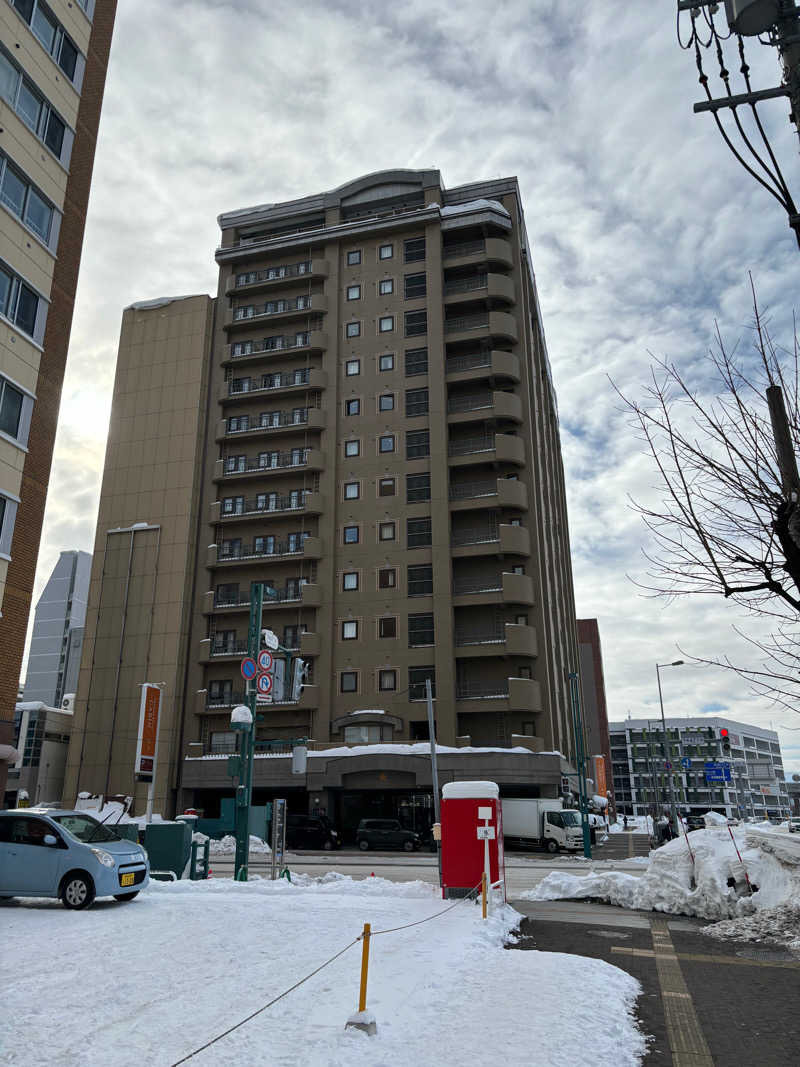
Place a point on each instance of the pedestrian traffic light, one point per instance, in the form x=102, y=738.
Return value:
x=726, y=741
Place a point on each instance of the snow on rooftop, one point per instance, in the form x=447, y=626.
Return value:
x=159, y=302
x=474, y=205
x=460, y=790
x=369, y=711
x=422, y=748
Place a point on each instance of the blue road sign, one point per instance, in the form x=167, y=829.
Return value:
x=686, y=763
x=249, y=669
x=717, y=772
x=667, y=765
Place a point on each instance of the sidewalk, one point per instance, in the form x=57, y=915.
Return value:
x=704, y=1002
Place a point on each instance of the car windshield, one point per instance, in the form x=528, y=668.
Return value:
x=571, y=818
x=85, y=828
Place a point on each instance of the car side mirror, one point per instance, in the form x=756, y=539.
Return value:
x=50, y=839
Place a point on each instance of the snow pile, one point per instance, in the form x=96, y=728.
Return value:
x=226, y=846
x=637, y=824
x=674, y=883
x=781, y=925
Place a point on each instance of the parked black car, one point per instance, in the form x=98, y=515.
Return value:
x=386, y=833
x=311, y=831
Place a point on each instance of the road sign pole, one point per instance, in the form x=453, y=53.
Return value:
x=244, y=794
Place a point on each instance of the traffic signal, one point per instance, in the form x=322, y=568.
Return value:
x=726, y=741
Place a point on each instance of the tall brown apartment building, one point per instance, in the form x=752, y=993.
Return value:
x=378, y=443
x=53, y=60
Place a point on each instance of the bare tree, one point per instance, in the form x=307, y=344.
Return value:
x=728, y=522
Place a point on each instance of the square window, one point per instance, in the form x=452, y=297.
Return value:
x=350, y=535
x=350, y=581
x=350, y=630
x=352, y=448
x=348, y=680
x=385, y=252
x=352, y=407
x=386, y=287
x=386, y=323
x=416, y=322
x=352, y=367
x=352, y=490
x=420, y=580
x=386, y=362
x=415, y=286
x=354, y=258
x=354, y=292
x=387, y=487
x=387, y=578
x=386, y=402
x=387, y=627
x=416, y=402
x=414, y=249
x=387, y=681
x=420, y=630
x=416, y=361
x=418, y=488
x=386, y=443
x=417, y=677
x=418, y=533
x=353, y=329
x=418, y=444
x=386, y=531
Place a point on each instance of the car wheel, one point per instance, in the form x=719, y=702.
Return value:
x=5, y=898
x=408, y=846
x=77, y=891
x=328, y=846
x=363, y=845
x=126, y=896
x=552, y=846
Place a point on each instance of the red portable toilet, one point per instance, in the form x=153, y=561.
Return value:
x=471, y=816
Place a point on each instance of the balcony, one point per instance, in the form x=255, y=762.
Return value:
x=273, y=423
x=481, y=366
x=511, y=639
x=310, y=644
x=489, y=493
x=483, y=324
x=480, y=287
x=269, y=505
x=309, y=700
x=477, y=407
x=267, y=550
x=511, y=694
x=249, y=315
x=306, y=594
x=488, y=250
x=503, y=588
x=255, y=281
x=275, y=463
x=491, y=540
x=296, y=381
x=487, y=448
x=243, y=352
x=212, y=651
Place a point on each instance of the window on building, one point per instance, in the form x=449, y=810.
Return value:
x=387, y=486
x=237, y=423
x=418, y=487
x=386, y=362
x=352, y=367
x=352, y=406
x=350, y=535
x=350, y=630
x=348, y=682
x=416, y=361
x=386, y=443
x=11, y=403
x=354, y=258
x=418, y=533
x=352, y=490
x=386, y=531
x=385, y=252
x=416, y=682
x=22, y=198
x=387, y=626
x=362, y=735
x=387, y=578
x=420, y=580
x=233, y=505
x=518, y=569
x=387, y=681
x=416, y=322
x=418, y=444
x=33, y=109
x=354, y=292
x=350, y=581
x=415, y=286
x=19, y=303
x=353, y=329
x=386, y=286
x=413, y=249
x=220, y=691
x=521, y=620
x=386, y=323
x=8, y=514
x=386, y=402
x=352, y=448
x=51, y=34
x=416, y=402
x=420, y=630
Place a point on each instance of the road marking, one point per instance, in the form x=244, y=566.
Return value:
x=686, y=1041
x=697, y=957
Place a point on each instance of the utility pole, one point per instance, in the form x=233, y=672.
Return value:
x=434, y=771
x=667, y=761
x=580, y=760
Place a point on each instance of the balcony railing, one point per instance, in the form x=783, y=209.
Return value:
x=274, y=419
x=482, y=690
x=298, y=457
x=240, y=349
x=473, y=490
x=289, y=594
x=468, y=445
x=466, y=322
x=465, y=248
x=252, y=277
x=229, y=648
x=466, y=586
x=258, y=506
x=469, y=361
x=257, y=550
x=268, y=381
x=467, y=285
x=473, y=402
x=494, y=636
x=483, y=536
x=226, y=699
x=271, y=307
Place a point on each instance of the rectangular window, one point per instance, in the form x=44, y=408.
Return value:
x=387, y=487
x=352, y=407
x=350, y=630
x=386, y=443
x=385, y=252
x=386, y=362
x=233, y=505
x=418, y=533
x=352, y=448
x=51, y=34
x=11, y=401
x=415, y=286
x=237, y=423
x=418, y=444
x=350, y=581
x=386, y=323
x=414, y=249
x=420, y=580
x=387, y=578
x=416, y=682
x=348, y=680
x=386, y=402
x=416, y=361
x=33, y=109
x=386, y=531
x=354, y=292
x=354, y=258
x=20, y=304
x=387, y=626
x=352, y=490
x=418, y=487
x=353, y=329
x=22, y=198
x=386, y=287
x=352, y=367
x=416, y=402
x=387, y=681
x=416, y=322
x=350, y=535
x=420, y=630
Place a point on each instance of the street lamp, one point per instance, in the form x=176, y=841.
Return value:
x=668, y=769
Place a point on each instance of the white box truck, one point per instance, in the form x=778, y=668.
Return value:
x=545, y=823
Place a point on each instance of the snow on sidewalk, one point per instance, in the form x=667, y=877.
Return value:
x=149, y=982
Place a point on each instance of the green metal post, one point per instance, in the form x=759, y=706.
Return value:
x=580, y=759
x=244, y=794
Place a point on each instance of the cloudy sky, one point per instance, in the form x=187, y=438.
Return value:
x=643, y=229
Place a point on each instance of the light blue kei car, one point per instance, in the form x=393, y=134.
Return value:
x=69, y=855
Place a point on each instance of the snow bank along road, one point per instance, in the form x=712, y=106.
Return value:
x=151, y=981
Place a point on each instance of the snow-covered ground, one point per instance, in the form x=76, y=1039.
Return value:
x=637, y=824
x=226, y=846
x=691, y=878
x=151, y=981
